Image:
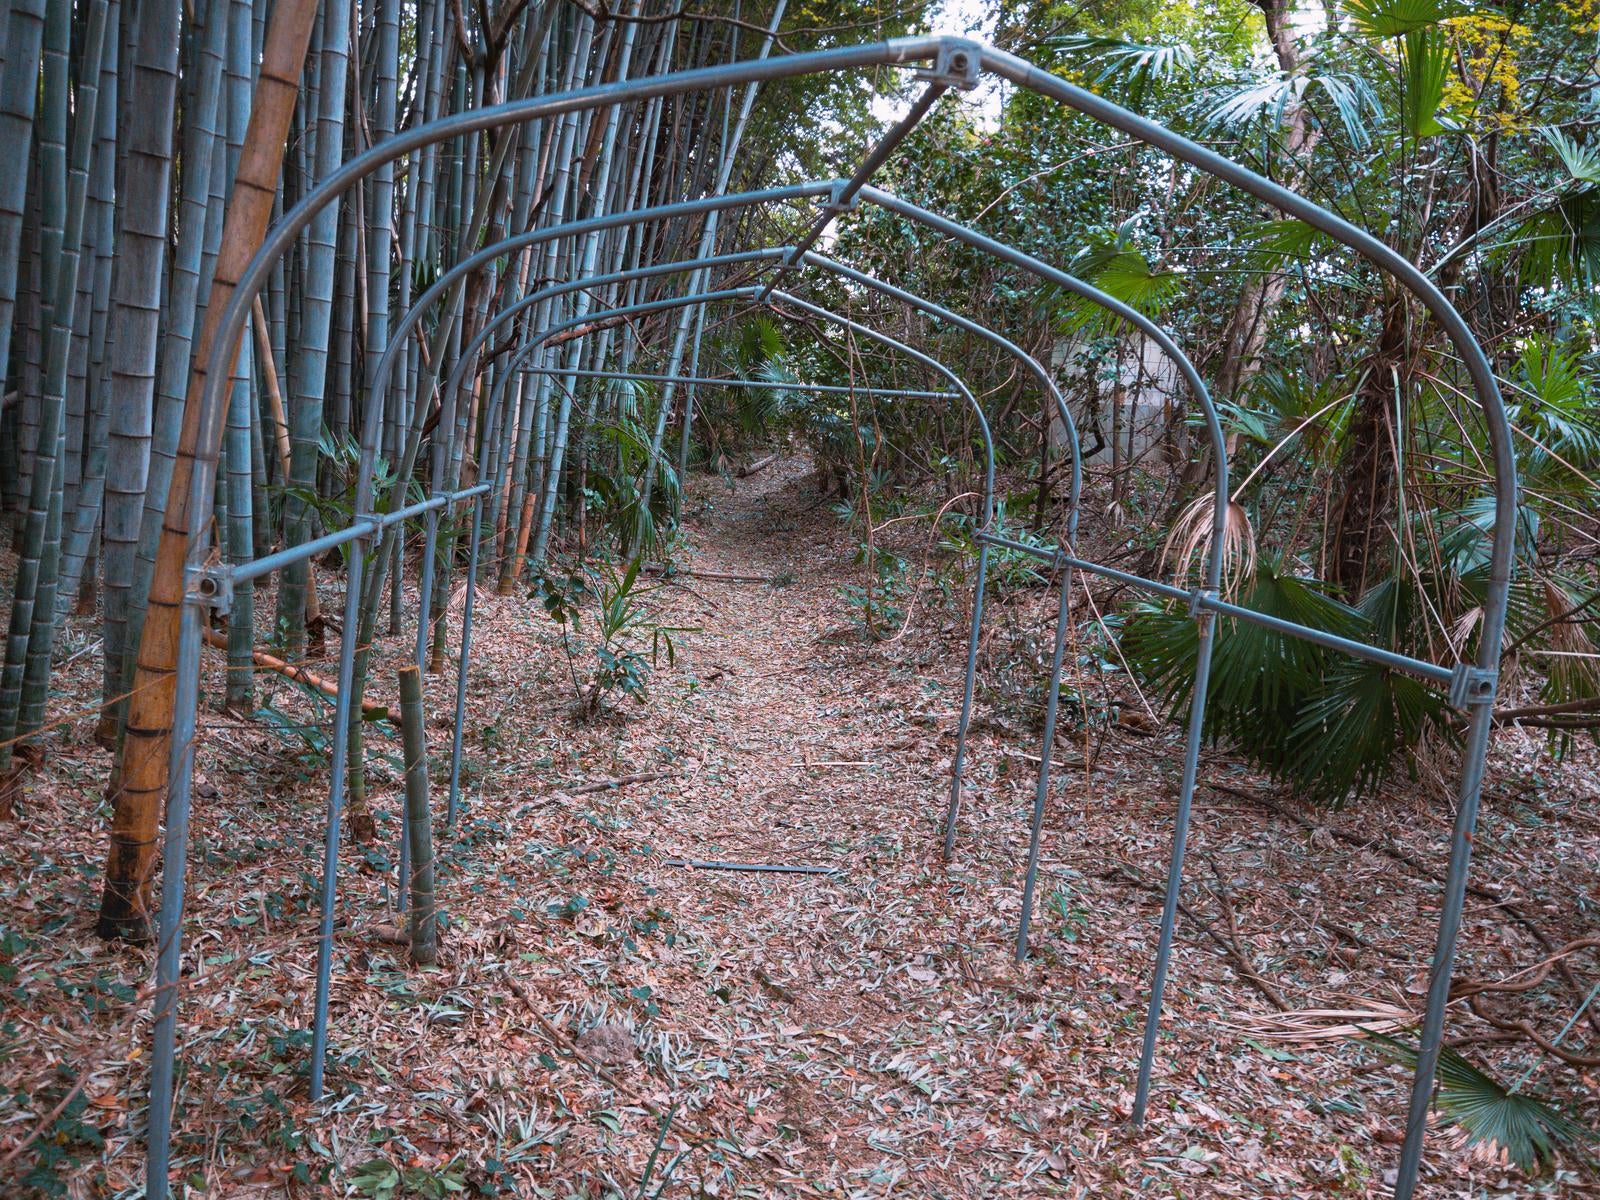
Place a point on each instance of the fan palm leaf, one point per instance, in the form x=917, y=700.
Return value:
x=1526, y=1129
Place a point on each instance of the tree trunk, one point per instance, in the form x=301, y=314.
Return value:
x=1245, y=336
x=144, y=762
x=1369, y=470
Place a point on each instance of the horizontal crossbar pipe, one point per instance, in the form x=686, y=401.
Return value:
x=431, y=503
x=706, y=864
x=265, y=565
x=1127, y=577
x=1332, y=641
x=257, y=567
x=724, y=381
x=1057, y=557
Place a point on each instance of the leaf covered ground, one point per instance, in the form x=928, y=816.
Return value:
x=605, y=1023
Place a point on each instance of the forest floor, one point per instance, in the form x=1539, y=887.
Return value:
x=865, y=1033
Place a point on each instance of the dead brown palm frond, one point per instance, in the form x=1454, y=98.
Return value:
x=1463, y=626
x=1570, y=638
x=1366, y=1016
x=1189, y=544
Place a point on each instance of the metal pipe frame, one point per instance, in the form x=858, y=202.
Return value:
x=1064, y=413
x=1053, y=688
x=823, y=389
x=858, y=189
x=1477, y=684
x=844, y=197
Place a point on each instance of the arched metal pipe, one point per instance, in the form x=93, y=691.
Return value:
x=1133, y=317
x=952, y=55
x=1086, y=291
x=347, y=656
x=1198, y=389
x=1048, y=386
x=1063, y=412
x=1479, y=689
x=448, y=395
x=1204, y=617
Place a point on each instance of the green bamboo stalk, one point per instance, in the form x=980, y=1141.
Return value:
x=239, y=690
x=87, y=390
x=708, y=238
x=200, y=149
x=145, y=757
x=530, y=449
x=380, y=223
x=32, y=312
x=583, y=301
x=24, y=681
x=19, y=93
x=312, y=343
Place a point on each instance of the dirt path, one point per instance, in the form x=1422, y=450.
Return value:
x=860, y=1034
x=873, y=1024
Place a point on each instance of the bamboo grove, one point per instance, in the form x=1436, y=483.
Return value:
x=153, y=143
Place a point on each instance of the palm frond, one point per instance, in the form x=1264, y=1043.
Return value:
x=1380, y=19
x=1527, y=1130
x=1190, y=543
x=1281, y=241
x=1355, y=104
x=1124, y=274
x=1333, y=726
x=1133, y=65
x=1582, y=162
x=1426, y=57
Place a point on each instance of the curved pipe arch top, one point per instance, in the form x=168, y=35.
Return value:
x=353, y=170
x=993, y=337
x=904, y=208
x=1024, y=74
x=956, y=53
x=470, y=350
x=750, y=292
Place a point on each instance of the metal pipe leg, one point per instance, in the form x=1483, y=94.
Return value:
x=1455, y=894
x=175, y=859
x=1180, y=839
x=330, y=851
x=1042, y=791
x=466, y=658
x=957, y=763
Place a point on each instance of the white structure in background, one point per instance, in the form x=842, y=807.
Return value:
x=1149, y=382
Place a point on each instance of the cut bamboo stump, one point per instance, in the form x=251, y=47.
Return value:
x=419, y=828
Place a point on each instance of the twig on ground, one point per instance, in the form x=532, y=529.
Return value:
x=610, y=785
x=1247, y=969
